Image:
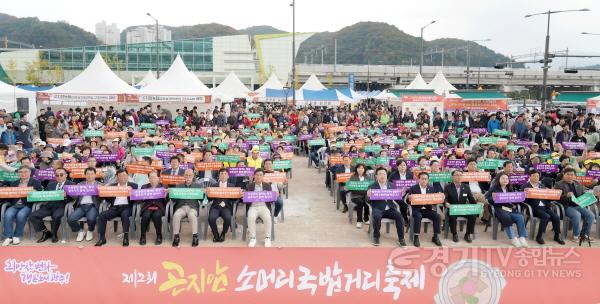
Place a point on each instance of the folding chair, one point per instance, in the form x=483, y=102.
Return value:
x=3, y=210
x=105, y=206
x=232, y=227
x=137, y=215
x=461, y=221
x=258, y=220
x=385, y=221
x=495, y=223
x=171, y=211
x=63, y=221
x=424, y=221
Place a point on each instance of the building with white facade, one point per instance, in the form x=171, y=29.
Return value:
x=108, y=34
x=142, y=34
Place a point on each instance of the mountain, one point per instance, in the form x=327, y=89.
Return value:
x=364, y=42
x=381, y=43
x=261, y=30
x=42, y=33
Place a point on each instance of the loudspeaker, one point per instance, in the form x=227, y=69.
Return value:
x=23, y=105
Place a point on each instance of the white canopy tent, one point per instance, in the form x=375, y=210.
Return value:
x=148, y=79
x=313, y=84
x=177, y=84
x=271, y=83
x=440, y=85
x=418, y=83
x=8, y=99
x=232, y=86
x=97, y=83
x=385, y=95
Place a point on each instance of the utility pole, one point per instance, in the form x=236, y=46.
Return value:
x=334, y=55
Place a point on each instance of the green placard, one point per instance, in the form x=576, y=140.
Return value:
x=161, y=148
x=316, y=142
x=414, y=156
x=194, y=139
x=410, y=124
x=228, y=158
x=282, y=164
x=9, y=176
x=513, y=147
x=545, y=156
x=369, y=162
x=339, y=144
x=46, y=196
x=186, y=193
x=358, y=185
x=503, y=133
x=383, y=160
x=262, y=126
x=253, y=115
x=268, y=139
x=142, y=151
x=453, y=140
x=459, y=130
x=466, y=209
x=399, y=141
x=373, y=148
x=148, y=126
x=374, y=131
x=223, y=146
x=264, y=148
x=290, y=138
x=246, y=131
x=488, y=140
x=440, y=177
x=254, y=137
x=487, y=165
x=585, y=199
x=362, y=131
x=93, y=133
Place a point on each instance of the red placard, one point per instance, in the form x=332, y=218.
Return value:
x=426, y=199
x=113, y=191
x=229, y=192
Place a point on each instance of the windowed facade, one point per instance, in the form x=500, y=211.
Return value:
x=197, y=55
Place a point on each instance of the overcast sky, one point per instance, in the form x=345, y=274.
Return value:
x=500, y=20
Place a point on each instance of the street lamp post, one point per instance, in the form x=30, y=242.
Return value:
x=469, y=60
x=293, y=5
x=157, y=45
x=421, y=63
x=547, y=51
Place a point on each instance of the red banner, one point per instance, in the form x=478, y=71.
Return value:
x=299, y=275
x=451, y=104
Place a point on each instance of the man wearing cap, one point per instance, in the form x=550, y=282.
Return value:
x=255, y=160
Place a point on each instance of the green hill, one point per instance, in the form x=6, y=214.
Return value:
x=42, y=33
x=380, y=43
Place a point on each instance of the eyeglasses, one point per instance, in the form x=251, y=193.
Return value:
x=60, y=174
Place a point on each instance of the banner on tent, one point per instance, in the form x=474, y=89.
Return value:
x=451, y=104
x=77, y=99
x=175, y=98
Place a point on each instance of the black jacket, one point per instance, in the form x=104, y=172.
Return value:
x=416, y=189
x=37, y=186
x=466, y=197
x=160, y=203
x=382, y=204
x=52, y=187
x=111, y=200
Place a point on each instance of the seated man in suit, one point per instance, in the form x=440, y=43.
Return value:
x=88, y=206
x=152, y=209
x=186, y=208
x=175, y=167
x=384, y=209
x=460, y=193
x=345, y=168
x=221, y=207
x=420, y=212
x=18, y=208
x=541, y=209
x=55, y=209
x=260, y=210
x=119, y=207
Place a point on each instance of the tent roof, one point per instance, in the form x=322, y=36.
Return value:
x=440, y=84
x=177, y=81
x=320, y=95
x=576, y=97
x=480, y=94
x=351, y=93
x=148, y=79
x=385, y=95
x=313, y=84
x=275, y=93
x=418, y=83
x=97, y=78
x=6, y=88
x=232, y=86
x=271, y=83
